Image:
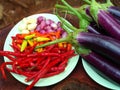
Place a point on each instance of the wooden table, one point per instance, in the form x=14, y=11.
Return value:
x=77, y=80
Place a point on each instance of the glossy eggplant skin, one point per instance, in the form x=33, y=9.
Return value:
x=108, y=20
x=106, y=67
x=92, y=29
x=97, y=29
x=109, y=23
x=102, y=44
x=115, y=11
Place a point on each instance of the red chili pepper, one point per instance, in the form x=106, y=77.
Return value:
x=64, y=62
x=42, y=73
x=44, y=66
x=15, y=47
x=18, y=41
x=68, y=54
x=37, y=54
x=2, y=68
x=53, y=73
x=4, y=53
x=21, y=36
x=36, y=65
x=49, y=48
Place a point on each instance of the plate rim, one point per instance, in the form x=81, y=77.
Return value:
x=113, y=85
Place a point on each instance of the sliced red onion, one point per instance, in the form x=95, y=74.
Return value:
x=49, y=30
x=64, y=34
x=60, y=29
x=43, y=24
x=38, y=28
x=42, y=31
x=40, y=19
x=59, y=24
x=49, y=21
x=54, y=26
x=47, y=27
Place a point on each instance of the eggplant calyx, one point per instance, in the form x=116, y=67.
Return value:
x=79, y=48
x=94, y=10
x=82, y=11
x=109, y=3
x=105, y=6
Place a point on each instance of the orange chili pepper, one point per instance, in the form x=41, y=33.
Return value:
x=69, y=46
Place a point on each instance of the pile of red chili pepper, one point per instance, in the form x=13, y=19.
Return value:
x=38, y=63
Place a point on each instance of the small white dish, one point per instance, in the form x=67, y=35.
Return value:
x=44, y=81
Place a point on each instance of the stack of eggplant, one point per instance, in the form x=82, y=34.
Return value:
x=97, y=39
x=102, y=21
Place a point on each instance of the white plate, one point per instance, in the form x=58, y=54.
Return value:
x=98, y=77
x=45, y=81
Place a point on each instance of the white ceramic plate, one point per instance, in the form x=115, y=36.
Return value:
x=98, y=77
x=45, y=81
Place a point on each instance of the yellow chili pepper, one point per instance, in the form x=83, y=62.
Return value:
x=19, y=45
x=60, y=45
x=39, y=49
x=23, y=46
x=30, y=42
x=40, y=39
x=29, y=36
x=65, y=44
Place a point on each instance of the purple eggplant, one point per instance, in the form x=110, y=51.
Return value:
x=108, y=6
x=105, y=19
x=111, y=26
x=115, y=11
x=94, y=28
x=102, y=44
x=102, y=64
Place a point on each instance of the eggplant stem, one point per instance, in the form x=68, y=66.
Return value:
x=61, y=7
x=87, y=1
x=54, y=42
x=66, y=24
x=72, y=9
